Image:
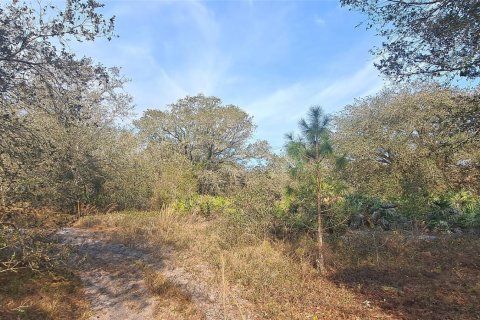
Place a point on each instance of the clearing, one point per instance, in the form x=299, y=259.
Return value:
x=123, y=282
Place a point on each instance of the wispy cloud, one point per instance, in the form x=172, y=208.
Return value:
x=167, y=49
x=285, y=106
x=192, y=62
x=263, y=56
x=319, y=21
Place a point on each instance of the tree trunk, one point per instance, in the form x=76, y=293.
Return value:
x=321, y=261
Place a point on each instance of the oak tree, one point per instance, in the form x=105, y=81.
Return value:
x=424, y=38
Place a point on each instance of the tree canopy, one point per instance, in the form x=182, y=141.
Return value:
x=56, y=110
x=206, y=131
x=419, y=140
x=424, y=38
x=34, y=44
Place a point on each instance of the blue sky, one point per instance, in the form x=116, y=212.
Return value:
x=274, y=59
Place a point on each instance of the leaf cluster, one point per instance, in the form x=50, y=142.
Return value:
x=424, y=38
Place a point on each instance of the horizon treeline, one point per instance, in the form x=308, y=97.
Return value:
x=412, y=147
x=414, y=144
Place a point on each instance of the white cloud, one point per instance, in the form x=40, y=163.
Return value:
x=319, y=21
x=279, y=111
x=167, y=49
x=318, y=91
x=171, y=49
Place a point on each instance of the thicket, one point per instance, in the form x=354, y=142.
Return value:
x=406, y=158
x=412, y=170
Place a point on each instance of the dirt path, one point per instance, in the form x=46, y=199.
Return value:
x=114, y=286
x=114, y=280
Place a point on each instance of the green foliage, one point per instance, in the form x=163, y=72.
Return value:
x=223, y=179
x=360, y=203
x=252, y=209
x=448, y=212
x=61, y=146
x=428, y=147
x=296, y=213
x=57, y=110
x=130, y=175
x=34, y=49
x=315, y=186
x=454, y=210
x=201, y=128
x=203, y=146
x=174, y=179
x=350, y=207
x=415, y=207
x=308, y=152
x=424, y=38
x=205, y=205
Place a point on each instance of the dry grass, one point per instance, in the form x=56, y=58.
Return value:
x=35, y=295
x=411, y=277
x=372, y=275
x=261, y=271
x=174, y=302
x=50, y=292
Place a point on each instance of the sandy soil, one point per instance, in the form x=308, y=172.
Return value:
x=113, y=285
x=114, y=281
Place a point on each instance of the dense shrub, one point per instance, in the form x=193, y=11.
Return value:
x=26, y=241
x=205, y=205
x=454, y=210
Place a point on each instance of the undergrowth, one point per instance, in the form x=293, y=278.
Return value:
x=280, y=284
x=35, y=282
x=174, y=303
x=42, y=295
x=373, y=274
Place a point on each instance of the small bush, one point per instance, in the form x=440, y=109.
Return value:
x=355, y=210
x=25, y=240
x=454, y=210
x=205, y=205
